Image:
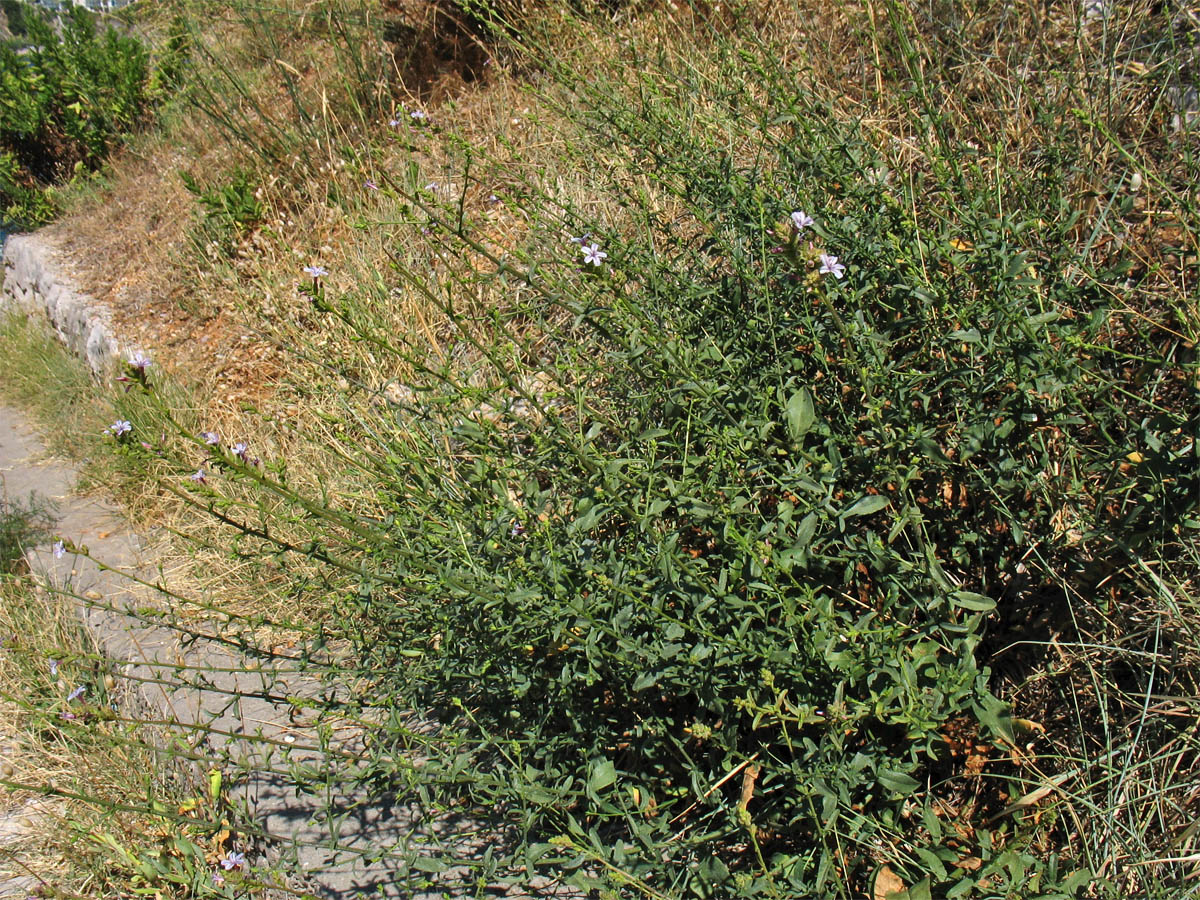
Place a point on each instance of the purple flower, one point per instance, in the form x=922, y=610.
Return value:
x=518, y=529
x=233, y=860
x=493, y=199
x=240, y=449
x=218, y=879
x=582, y=239
x=76, y=694
x=418, y=115
x=371, y=184
x=831, y=266
x=801, y=220
x=593, y=254
x=315, y=272
x=211, y=438
x=54, y=667
x=120, y=427
x=393, y=122
x=198, y=476
x=432, y=187
x=139, y=361
x=59, y=549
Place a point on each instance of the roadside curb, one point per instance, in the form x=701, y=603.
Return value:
x=35, y=283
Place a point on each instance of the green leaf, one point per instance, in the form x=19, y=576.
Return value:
x=971, y=600
x=804, y=533
x=800, y=413
x=993, y=715
x=1044, y=318
x=932, y=863
x=645, y=680
x=604, y=773
x=1076, y=880
x=864, y=506
x=898, y=782
x=429, y=864
x=966, y=335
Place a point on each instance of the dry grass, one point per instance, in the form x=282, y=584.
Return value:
x=51, y=763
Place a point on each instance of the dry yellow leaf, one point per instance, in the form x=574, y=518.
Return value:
x=961, y=245
x=749, y=777
x=1135, y=457
x=885, y=883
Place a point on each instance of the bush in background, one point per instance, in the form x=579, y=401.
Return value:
x=14, y=15
x=66, y=100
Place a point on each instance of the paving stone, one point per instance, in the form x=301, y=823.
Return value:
x=247, y=700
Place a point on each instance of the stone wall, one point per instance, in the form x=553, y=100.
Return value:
x=35, y=282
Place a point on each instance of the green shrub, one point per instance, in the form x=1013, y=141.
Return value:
x=23, y=200
x=686, y=560
x=229, y=211
x=173, y=60
x=14, y=14
x=67, y=100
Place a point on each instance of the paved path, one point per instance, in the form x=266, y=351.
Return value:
x=248, y=698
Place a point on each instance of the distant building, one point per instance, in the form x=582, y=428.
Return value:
x=102, y=5
x=94, y=5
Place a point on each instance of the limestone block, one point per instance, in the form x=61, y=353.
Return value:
x=33, y=282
